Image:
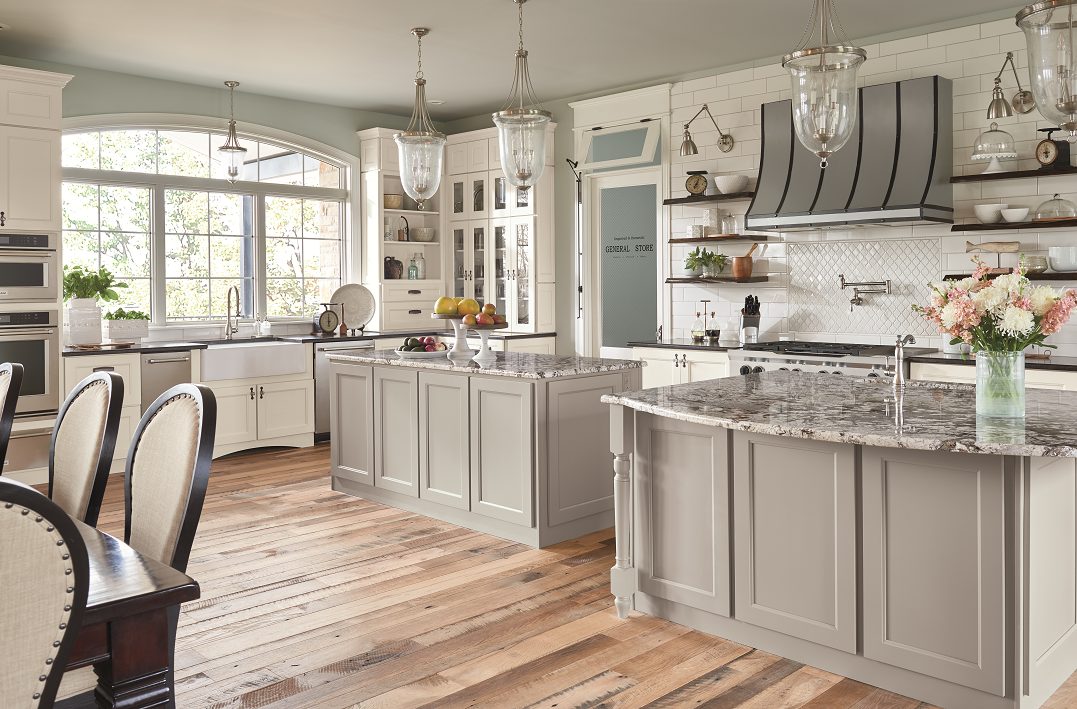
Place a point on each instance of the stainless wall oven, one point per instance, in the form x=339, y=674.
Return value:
x=29, y=268
x=32, y=339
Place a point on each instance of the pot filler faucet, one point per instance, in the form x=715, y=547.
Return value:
x=862, y=288
x=230, y=327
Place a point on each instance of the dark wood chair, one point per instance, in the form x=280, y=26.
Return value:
x=44, y=578
x=165, y=481
x=83, y=442
x=10, y=387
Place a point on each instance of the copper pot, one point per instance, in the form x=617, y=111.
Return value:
x=742, y=268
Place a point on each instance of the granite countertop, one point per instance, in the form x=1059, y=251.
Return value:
x=1055, y=362
x=144, y=348
x=687, y=343
x=523, y=365
x=933, y=416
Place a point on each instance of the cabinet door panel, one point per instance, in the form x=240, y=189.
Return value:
x=521, y=275
x=237, y=414
x=396, y=430
x=659, y=369
x=444, y=445
x=501, y=194
x=502, y=450
x=462, y=265
x=30, y=178
x=285, y=408
x=478, y=155
x=477, y=196
x=683, y=511
x=794, y=509
x=351, y=406
x=934, y=564
x=702, y=370
x=456, y=158
x=31, y=105
x=458, y=198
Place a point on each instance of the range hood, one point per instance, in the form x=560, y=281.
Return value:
x=895, y=170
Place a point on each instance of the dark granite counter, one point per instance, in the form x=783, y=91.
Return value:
x=687, y=344
x=145, y=348
x=1056, y=362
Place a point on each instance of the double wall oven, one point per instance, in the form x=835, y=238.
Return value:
x=32, y=338
x=29, y=268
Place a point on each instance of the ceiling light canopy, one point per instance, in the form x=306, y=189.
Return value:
x=1049, y=35
x=421, y=147
x=521, y=124
x=825, y=97
x=236, y=153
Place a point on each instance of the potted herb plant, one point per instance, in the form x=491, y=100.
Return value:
x=127, y=325
x=695, y=261
x=83, y=288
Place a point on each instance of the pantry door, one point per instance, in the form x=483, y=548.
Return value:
x=622, y=289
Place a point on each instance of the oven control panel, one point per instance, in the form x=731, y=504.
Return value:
x=28, y=318
x=25, y=241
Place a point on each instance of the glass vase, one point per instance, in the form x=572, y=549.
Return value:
x=1000, y=384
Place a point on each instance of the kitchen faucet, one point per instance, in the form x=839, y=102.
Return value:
x=899, y=364
x=230, y=328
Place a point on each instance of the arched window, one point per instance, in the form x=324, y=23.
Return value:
x=154, y=206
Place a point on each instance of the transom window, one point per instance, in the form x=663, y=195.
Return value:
x=152, y=206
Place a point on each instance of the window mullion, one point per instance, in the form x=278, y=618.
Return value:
x=157, y=258
x=261, y=300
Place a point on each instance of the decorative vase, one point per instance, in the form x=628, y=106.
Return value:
x=1000, y=384
x=127, y=330
x=83, y=322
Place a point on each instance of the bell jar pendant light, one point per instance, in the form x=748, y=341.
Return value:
x=235, y=153
x=1049, y=35
x=824, y=84
x=521, y=124
x=421, y=147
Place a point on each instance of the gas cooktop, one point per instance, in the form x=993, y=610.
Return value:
x=819, y=349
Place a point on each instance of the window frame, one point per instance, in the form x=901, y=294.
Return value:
x=351, y=252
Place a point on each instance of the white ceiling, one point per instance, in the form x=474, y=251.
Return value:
x=358, y=53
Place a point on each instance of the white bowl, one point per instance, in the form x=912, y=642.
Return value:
x=1015, y=214
x=1062, y=258
x=730, y=184
x=989, y=213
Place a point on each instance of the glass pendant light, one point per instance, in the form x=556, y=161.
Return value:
x=521, y=124
x=824, y=84
x=1049, y=35
x=421, y=147
x=235, y=154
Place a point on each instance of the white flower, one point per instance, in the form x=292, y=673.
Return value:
x=966, y=283
x=1009, y=282
x=1042, y=297
x=949, y=315
x=989, y=299
x=1016, y=322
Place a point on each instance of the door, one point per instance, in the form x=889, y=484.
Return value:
x=501, y=194
x=463, y=264
x=458, y=194
x=794, y=512
x=478, y=272
x=621, y=296
x=396, y=430
x=499, y=232
x=444, y=445
x=477, y=205
x=30, y=178
x=661, y=368
x=237, y=414
x=285, y=408
x=521, y=276
x=502, y=449
x=351, y=406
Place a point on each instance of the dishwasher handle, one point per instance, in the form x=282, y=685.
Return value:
x=168, y=361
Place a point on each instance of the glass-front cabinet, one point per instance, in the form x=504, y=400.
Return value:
x=493, y=262
x=521, y=278
x=469, y=260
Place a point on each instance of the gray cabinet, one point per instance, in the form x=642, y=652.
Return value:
x=444, y=448
x=794, y=510
x=682, y=514
x=934, y=564
x=351, y=396
x=396, y=430
x=502, y=449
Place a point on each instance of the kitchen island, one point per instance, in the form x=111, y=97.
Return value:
x=896, y=541
x=515, y=447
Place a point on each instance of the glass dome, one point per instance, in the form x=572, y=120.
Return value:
x=994, y=144
x=1049, y=35
x=1056, y=208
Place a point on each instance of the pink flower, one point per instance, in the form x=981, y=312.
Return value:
x=981, y=269
x=1057, y=316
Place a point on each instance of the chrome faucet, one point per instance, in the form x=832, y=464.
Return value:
x=231, y=328
x=899, y=363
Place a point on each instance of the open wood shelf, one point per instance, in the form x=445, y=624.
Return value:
x=708, y=198
x=1048, y=276
x=716, y=239
x=1010, y=226
x=719, y=279
x=1014, y=175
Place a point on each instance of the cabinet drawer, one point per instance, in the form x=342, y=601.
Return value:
x=126, y=365
x=412, y=290
x=407, y=316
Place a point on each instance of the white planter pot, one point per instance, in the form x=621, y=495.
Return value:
x=127, y=330
x=83, y=322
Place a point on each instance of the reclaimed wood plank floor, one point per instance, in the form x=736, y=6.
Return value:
x=311, y=598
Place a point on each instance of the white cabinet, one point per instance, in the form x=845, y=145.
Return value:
x=256, y=413
x=966, y=374
x=478, y=155
x=30, y=178
x=502, y=194
x=396, y=430
x=285, y=408
x=126, y=365
x=237, y=415
x=456, y=155
x=29, y=103
x=470, y=259
x=534, y=345
x=666, y=366
x=476, y=204
x=702, y=367
x=502, y=446
x=444, y=445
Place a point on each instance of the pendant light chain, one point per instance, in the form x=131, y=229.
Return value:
x=419, y=71
x=520, y=9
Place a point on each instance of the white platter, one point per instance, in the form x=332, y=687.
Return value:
x=358, y=304
x=422, y=355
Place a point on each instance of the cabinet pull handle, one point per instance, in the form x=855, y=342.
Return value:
x=412, y=291
x=168, y=361
x=415, y=312
x=252, y=393
x=261, y=392
x=104, y=369
x=3, y=218
x=684, y=361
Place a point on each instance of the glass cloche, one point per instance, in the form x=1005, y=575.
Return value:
x=994, y=144
x=1056, y=208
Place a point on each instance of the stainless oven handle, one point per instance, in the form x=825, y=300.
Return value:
x=167, y=361
x=35, y=252
x=24, y=331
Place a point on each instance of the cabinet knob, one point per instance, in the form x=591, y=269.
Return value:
x=261, y=392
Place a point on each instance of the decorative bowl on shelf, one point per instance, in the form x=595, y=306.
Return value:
x=730, y=184
x=426, y=234
x=1015, y=214
x=394, y=201
x=989, y=213
x=1062, y=258
x=1035, y=265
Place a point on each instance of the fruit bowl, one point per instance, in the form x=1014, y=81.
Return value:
x=437, y=354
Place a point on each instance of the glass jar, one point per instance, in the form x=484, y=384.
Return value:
x=699, y=330
x=1000, y=384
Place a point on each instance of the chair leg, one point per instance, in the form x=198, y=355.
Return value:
x=173, y=624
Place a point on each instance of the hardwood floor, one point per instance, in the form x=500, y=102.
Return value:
x=311, y=598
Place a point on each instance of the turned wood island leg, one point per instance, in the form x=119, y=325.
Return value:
x=623, y=574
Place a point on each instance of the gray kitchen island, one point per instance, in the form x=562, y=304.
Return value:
x=897, y=541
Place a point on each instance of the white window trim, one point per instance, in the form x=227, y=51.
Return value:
x=645, y=156
x=351, y=268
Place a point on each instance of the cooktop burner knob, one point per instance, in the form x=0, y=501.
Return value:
x=783, y=369
x=835, y=372
x=745, y=369
x=822, y=371
x=874, y=375
x=796, y=369
x=757, y=370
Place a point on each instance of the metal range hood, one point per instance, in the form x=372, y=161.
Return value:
x=895, y=170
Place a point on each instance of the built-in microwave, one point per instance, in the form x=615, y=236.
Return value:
x=32, y=339
x=29, y=269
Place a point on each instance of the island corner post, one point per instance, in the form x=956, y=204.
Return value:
x=623, y=573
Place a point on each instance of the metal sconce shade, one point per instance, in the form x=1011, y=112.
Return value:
x=521, y=124
x=420, y=148
x=235, y=152
x=999, y=106
x=689, y=147
x=1023, y=101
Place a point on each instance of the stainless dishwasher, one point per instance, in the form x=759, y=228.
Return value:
x=321, y=382
x=162, y=371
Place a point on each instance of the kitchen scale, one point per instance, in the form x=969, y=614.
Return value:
x=326, y=322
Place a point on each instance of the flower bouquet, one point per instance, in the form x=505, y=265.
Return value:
x=998, y=318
